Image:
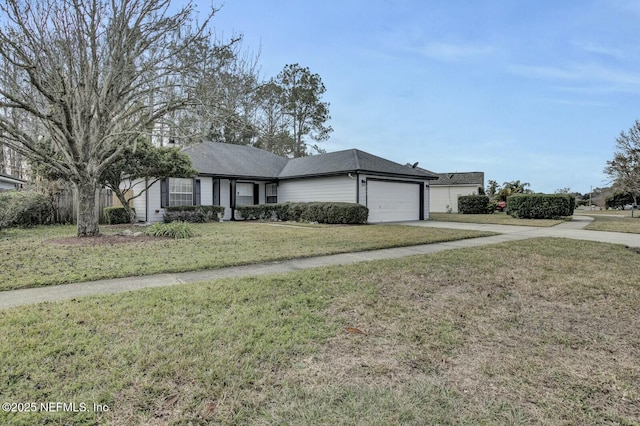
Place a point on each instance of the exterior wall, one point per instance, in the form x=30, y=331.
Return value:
x=447, y=195
x=140, y=203
x=331, y=188
x=206, y=198
x=155, y=211
x=7, y=185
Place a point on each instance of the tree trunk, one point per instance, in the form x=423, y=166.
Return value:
x=87, y=219
x=125, y=204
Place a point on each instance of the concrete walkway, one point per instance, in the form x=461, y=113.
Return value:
x=572, y=229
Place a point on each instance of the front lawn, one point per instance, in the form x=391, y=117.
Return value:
x=494, y=219
x=36, y=257
x=618, y=223
x=540, y=331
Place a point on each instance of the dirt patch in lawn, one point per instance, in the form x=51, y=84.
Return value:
x=102, y=240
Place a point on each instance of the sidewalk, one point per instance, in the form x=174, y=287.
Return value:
x=572, y=229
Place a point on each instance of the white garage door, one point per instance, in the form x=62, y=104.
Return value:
x=393, y=201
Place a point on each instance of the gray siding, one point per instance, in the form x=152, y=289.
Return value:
x=332, y=188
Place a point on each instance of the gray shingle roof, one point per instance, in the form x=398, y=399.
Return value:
x=220, y=159
x=352, y=160
x=467, y=178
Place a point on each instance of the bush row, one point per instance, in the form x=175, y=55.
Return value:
x=116, y=215
x=329, y=212
x=24, y=208
x=475, y=204
x=193, y=214
x=540, y=206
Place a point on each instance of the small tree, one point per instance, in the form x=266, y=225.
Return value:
x=146, y=161
x=624, y=169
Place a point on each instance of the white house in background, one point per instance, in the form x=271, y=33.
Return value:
x=9, y=183
x=444, y=191
x=236, y=175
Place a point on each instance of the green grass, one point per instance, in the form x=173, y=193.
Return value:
x=32, y=257
x=539, y=331
x=615, y=223
x=494, y=219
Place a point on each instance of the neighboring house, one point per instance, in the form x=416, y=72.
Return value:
x=445, y=191
x=236, y=175
x=9, y=183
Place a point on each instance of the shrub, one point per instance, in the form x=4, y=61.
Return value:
x=321, y=212
x=540, y=206
x=24, y=208
x=474, y=204
x=175, y=230
x=116, y=215
x=192, y=214
x=258, y=212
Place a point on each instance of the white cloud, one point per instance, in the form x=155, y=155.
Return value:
x=451, y=52
x=600, y=49
x=613, y=79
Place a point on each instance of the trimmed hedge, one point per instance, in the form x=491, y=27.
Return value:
x=540, y=206
x=321, y=212
x=192, y=214
x=24, y=209
x=474, y=204
x=116, y=215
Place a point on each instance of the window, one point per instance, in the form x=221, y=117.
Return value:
x=244, y=194
x=180, y=192
x=271, y=192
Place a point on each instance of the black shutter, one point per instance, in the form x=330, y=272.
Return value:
x=256, y=193
x=164, y=192
x=196, y=192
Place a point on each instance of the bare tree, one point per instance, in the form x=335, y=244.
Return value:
x=90, y=77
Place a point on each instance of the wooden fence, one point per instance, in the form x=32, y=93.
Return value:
x=65, y=205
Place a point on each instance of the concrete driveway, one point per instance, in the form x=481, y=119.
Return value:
x=572, y=229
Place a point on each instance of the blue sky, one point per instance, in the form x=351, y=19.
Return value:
x=531, y=90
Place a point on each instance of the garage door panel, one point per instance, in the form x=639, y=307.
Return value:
x=393, y=201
